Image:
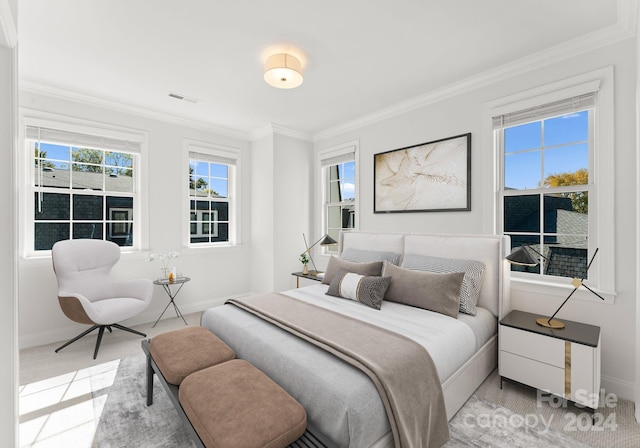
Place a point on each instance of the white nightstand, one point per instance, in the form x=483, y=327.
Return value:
x=564, y=362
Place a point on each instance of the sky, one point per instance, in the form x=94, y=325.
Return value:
x=535, y=150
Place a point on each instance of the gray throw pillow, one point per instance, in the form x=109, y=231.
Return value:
x=367, y=290
x=335, y=263
x=426, y=290
x=367, y=256
x=473, y=275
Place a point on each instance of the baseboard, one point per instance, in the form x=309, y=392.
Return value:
x=148, y=316
x=623, y=389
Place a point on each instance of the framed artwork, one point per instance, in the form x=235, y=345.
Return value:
x=430, y=177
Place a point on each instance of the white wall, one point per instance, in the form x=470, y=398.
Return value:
x=637, y=127
x=216, y=273
x=262, y=216
x=282, y=181
x=463, y=113
x=8, y=316
x=293, y=189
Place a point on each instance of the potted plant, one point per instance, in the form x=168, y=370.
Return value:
x=304, y=259
x=166, y=272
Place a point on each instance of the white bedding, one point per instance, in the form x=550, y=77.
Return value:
x=450, y=342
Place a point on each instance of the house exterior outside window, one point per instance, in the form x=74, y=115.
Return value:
x=81, y=185
x=212, y=195
x=555, y=180
x=546, y=185
x=338, y=174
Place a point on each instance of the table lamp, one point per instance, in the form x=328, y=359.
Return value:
x=522, y=257
x=325, y=240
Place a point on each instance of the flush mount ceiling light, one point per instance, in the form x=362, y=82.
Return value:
x=283, y=71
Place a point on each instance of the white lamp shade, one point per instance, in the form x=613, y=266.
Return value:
x=283, y=71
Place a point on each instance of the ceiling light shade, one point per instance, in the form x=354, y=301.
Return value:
x=283, y=71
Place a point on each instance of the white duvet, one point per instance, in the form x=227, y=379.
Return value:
x=450, y=342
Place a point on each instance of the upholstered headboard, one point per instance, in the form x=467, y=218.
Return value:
x=489, y=249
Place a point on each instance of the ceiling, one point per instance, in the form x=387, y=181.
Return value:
x=358, y=56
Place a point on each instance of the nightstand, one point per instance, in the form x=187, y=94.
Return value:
x=564, y=362
x=315, y=277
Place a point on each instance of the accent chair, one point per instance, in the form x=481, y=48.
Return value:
x=87, y=294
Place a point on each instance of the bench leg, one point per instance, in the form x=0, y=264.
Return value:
x=149, y=381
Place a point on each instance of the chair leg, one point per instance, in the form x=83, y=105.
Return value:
x=122, y=327
x=100, y=333
x=77, y=337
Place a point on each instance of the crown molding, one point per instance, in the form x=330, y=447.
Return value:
x=624, y=28
x=9, y=34
x=63, y=94
x=273, y=128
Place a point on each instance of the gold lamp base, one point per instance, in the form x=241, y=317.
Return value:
x=544, y=322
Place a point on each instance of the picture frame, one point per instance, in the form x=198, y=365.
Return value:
x=428, y=177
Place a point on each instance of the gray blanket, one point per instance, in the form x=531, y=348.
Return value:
x=401, y=369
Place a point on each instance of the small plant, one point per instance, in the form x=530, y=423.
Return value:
x=304, y=259
x=164, y=259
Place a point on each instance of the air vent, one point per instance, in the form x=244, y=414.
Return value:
x=180, y=97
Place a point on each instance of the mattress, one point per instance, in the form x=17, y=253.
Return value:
x=343, y=406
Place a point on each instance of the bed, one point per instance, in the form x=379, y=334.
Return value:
x=344, y=407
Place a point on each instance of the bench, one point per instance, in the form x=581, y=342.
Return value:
x=224, y=402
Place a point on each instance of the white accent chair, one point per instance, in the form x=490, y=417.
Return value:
x=87, y=294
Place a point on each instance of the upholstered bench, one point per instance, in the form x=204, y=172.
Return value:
x=224, y=402
x=179, y=353
x=235, y=405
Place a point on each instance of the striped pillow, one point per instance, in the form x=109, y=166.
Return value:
x=367, y=256
x=471, y=284
x=368, y=290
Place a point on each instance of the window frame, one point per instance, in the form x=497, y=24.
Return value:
x=601, y=184
x=337, y=151
x=233, y=196
x=542, y=192
x=28, y=188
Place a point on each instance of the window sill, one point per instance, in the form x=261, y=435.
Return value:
x=45, y=256
x=560, y=290
x=213, y=248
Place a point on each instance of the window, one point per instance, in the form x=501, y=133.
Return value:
x=546, y=184
x=339, y=191
x=212, y=198
x=82, y=186
x=555, y=179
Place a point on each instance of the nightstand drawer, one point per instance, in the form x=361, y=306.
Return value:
x=533, y=373
x=534, y=346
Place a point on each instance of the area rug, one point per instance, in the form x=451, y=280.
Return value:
x=126, y=421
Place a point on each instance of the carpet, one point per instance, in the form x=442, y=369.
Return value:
x=126, y=421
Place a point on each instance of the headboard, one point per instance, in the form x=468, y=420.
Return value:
x=490, y=249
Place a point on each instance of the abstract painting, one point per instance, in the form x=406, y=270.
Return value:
x=429, y=177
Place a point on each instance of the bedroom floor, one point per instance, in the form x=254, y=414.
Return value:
x=56, y=394
x=53, y=395
x=38, y=363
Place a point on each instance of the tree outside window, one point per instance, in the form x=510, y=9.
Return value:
x=546, y=191
x=82, y=192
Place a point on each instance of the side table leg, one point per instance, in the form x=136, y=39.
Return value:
x=163, y=311
x=178, y=313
